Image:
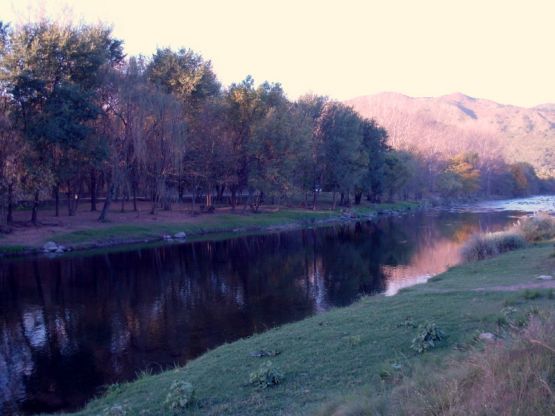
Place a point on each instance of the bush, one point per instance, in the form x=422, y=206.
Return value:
x=538, y=227
x=180, y=396
x=430, y=334
x=482, y=246
x=512, y=378
x=266, y=376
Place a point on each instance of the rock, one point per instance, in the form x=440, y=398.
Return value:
x=59, y=250
x=167, y=237
x=544, y=277
x=180, y=235
x=50, y=246
x=264, y=353
x=486, y=336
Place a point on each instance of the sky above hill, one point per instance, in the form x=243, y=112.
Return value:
x=496, y=49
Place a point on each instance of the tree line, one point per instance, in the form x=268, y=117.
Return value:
x=78, y=118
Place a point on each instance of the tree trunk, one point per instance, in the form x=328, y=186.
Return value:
x=193, y=199
x=221, y=190
x=134, y=190
x=154, y=201
x=107, y=202
x=358, y=197
x=93, y=189
x=314, y=199
x=209, y=197
x=334, y=194
x=9, y=218
x=68, y=193
x=75, y=202
x=57, y=200
x=233, y=199
x=35, y=210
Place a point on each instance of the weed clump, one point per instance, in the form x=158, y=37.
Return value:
x=482, y=246
x=428, y=336
x=521, y=371
x=538, y=227
x=266, y=376
x=180, y=396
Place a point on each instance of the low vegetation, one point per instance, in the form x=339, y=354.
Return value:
x=538, y=227
x=511, y=376
x=482, y=246
x=360, y=356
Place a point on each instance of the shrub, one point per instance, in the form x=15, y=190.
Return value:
x=430, y=334
x=482, y=246
x=540, y=226
x=266, y=376
x=180, y=396
x=512, y=378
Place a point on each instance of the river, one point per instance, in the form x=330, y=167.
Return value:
x=71, y=325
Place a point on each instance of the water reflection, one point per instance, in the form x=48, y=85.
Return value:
x=69, y=326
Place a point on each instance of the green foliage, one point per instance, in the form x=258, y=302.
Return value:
x=396, y=172
x=180, y=397
x=354, y=340
x=429, y=334
x=266, y=376
x=531, y=294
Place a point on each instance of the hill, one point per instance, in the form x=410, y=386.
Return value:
x=456, y=122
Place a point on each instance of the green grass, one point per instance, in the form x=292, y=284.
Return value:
x=11, y=249
x=221, y=223
x=319, y=359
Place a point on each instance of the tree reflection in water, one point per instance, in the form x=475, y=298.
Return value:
x=69, y=326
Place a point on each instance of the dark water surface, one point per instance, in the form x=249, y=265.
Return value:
x=69, y=326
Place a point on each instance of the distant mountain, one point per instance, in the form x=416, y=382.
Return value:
x=457, y=122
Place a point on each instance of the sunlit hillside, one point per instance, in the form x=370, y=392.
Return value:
x=457, y=122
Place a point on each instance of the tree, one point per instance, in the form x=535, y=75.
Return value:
x=53, y=73
x=346, y=157
x=396, y=172
x=145, y=130
x=374, y=140
x=461, y=176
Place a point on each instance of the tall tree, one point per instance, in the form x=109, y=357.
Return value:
x=54, y=72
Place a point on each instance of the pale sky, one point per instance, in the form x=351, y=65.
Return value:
x=502, y=50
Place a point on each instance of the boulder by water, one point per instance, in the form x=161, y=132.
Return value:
x=486, y=336
x=52, y=247
x=544, y=277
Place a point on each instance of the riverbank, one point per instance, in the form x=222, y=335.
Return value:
x=354, y=351
x=85, y=233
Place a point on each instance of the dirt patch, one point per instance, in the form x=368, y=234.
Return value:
x=26, y=234
x=548, y=284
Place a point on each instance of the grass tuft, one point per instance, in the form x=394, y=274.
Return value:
x=487, y=245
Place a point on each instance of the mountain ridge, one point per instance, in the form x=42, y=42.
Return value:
x=457, y=122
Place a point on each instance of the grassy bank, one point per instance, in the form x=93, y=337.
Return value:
x=353, y=351
x=106, y=234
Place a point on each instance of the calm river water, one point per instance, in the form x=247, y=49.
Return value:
x=71, y=325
